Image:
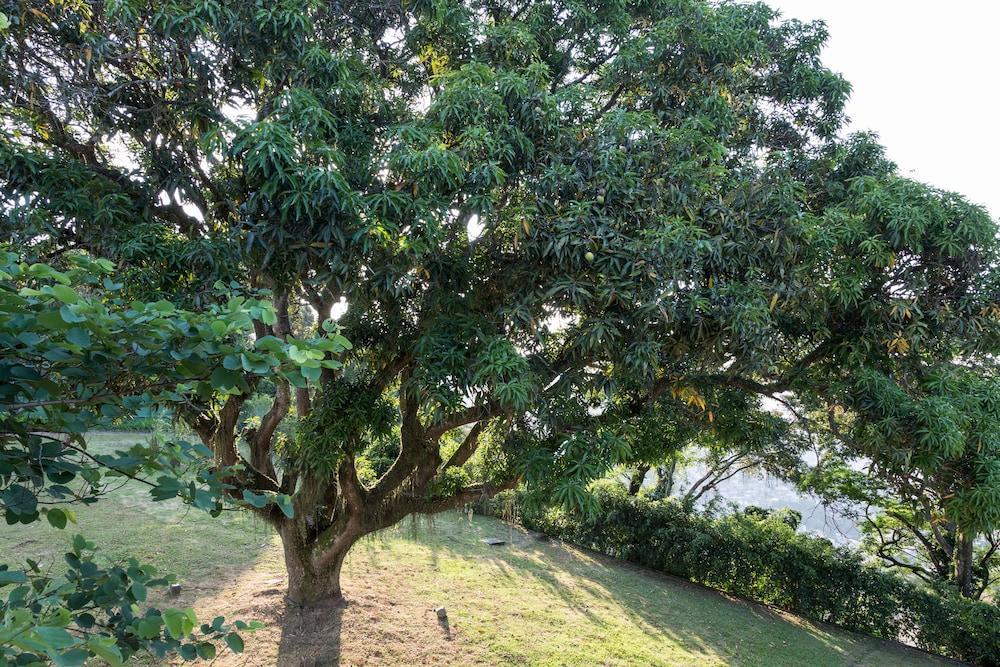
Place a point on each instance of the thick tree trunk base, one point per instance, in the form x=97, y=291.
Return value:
x=309, y=585
x=308, y=589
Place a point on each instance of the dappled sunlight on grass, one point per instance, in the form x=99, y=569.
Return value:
x=525, y=602
x=549, y=603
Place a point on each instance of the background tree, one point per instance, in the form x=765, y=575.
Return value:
x=546, y=221
x=747, y=437
x=916, y=457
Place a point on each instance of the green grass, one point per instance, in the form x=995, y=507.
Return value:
x=527, y=602
x=168, y=534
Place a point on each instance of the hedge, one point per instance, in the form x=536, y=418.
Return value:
x=763, y=558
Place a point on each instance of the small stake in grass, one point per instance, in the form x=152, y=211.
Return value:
x=442, y=615
x=174, y=590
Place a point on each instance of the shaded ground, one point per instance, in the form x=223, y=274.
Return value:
x=527, y=602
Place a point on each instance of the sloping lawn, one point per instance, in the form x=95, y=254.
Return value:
x=525, y=602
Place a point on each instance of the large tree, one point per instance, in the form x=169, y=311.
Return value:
x=546, y=222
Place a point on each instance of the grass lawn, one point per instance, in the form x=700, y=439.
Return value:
x=527, y=602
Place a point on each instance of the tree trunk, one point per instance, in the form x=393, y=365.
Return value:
x=308, y=583
x=665, y=479
x=638, y=477
x=963, y=564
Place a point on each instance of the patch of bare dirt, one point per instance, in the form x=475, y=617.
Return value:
x=380, y=623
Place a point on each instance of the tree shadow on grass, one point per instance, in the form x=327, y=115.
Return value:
x=310, y=637
x=524, y=602
x=602, y=596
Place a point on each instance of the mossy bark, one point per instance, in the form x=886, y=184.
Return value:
x=312, y=581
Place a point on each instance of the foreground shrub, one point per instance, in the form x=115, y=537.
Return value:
x=759, y=555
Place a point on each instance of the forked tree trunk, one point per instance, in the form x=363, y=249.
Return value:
x=310, y=584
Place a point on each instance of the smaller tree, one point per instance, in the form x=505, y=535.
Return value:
x=929, y=437
x=743, y=437
x=910, y=540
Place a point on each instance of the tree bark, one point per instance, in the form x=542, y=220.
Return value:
x=638, y=477
x=963, y=564
x=311, y=584
x=665, y=479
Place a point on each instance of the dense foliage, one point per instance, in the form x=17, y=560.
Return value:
x=759, y=555
x=551, y=226
x=928, y=495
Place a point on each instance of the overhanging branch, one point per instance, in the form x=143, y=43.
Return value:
x=470, y=415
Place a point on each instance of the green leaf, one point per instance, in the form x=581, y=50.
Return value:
x=78, y=336
x=285, y=503
x=106, y=649
x=80, y=543
x=56, y=517
x=295, y=379
x=177, y=622
x=74, y=658
x=270, y=344
x=235, y=642
x=70, y=316
x=255, y=499
x=149, y=628
x=65, y=293
x=8, y=577
x=46, y=271
x=19, y=499
x=138, y=591
x=223, y=378
x=57, y=638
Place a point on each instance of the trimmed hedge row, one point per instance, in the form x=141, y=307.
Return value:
x=763, y=558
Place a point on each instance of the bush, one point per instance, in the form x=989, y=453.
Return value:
x=759, y=555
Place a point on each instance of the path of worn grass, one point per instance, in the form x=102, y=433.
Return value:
x=528, y=602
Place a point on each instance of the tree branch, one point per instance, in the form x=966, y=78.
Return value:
x=465, y=496
x=468, y=447
x=469, y=415
x=261, y=440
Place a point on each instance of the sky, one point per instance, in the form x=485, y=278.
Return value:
x=926, y=79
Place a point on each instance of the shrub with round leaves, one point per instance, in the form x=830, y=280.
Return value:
x=75, y=356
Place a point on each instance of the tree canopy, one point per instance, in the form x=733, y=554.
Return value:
x=547, y=224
